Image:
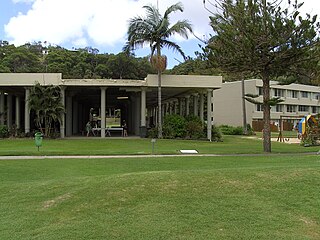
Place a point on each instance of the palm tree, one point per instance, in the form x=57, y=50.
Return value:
x=155, y=30
x=45, y=101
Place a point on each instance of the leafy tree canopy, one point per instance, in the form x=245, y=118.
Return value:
x=79, y=63
x=259, y=37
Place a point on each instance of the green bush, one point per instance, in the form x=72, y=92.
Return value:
x=216, y=134
x=230, y=130
x=194, y=128
x=174, y=126
x=153, y=133
x=4, y=131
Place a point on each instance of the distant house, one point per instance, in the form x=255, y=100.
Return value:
x=299, y=100
x=107, y=99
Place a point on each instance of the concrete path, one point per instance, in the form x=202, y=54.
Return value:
x=152, y=156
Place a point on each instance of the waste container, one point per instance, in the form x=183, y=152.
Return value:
x=38, y=139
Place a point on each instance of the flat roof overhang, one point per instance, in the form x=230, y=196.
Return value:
x=173, y=86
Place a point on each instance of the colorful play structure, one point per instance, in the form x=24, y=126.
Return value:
x=308, y=130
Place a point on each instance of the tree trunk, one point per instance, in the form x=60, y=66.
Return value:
x=159, y=106
x=266, y=114
x=159, y=97
x=244, y=112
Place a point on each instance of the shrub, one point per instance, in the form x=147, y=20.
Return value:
x=153, y=133
x=194, y=128
x=216, y=134
x=4, y=131
x=230, y=130
x=174, y=126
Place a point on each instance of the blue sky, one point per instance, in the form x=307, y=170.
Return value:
x=99, y=23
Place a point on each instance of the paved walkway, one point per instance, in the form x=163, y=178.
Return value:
x=151, y=156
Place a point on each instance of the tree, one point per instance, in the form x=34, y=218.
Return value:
x=155, y=30
x=260, y=38
x=45, y=101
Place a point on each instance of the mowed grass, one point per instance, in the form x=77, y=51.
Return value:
x=266, y=197
x=98, y=146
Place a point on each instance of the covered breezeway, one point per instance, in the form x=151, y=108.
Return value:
x=134, y=101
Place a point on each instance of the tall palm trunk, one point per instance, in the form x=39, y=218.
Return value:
x=159, y=96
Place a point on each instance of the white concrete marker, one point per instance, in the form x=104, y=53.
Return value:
x=188, y=151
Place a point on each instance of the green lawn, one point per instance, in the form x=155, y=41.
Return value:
x=98, y=146
x=266, y=197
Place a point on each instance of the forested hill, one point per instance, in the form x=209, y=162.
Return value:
x=78, y=64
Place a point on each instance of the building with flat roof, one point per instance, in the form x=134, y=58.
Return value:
x=134, y=101
x=299, y=100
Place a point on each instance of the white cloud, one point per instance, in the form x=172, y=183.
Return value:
x=23, y=1
x=102, y=22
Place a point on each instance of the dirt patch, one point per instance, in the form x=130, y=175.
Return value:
x=55, y=201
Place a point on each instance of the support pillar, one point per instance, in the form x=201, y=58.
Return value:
x=201, y=107
x=9, y=111
x=187, y=105
x=1, y=108
x=26, y=111
x=175, y=108
x=143, y=128
x=209, y=114
x=195, y=105
x=63, y=118
x=69, y=116
x=18, y=112
x=75, y=121
x=103, y=112
x=171, y=104
x=180, y=107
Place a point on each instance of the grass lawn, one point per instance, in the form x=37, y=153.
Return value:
x=266, y=197
x=97, y=146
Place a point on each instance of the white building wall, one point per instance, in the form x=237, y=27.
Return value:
x=228, y=102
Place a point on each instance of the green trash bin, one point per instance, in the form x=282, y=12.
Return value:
x=38, y=139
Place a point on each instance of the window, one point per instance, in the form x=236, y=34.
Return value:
x=260, y=91
x=315, y=109
x=278, y=92
x=304, y=94
x=316, y=96
x=292, y=94
x=259, y=108
x=279, y=108
x=291, y=108
x=303, y=108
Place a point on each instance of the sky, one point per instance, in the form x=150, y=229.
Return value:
x=101, y=24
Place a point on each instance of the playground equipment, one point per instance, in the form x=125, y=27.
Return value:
x=308, y=130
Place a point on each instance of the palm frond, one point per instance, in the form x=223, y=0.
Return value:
x=173, y=8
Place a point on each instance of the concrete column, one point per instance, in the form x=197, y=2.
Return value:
x=195, y=105
x=156, y=116
x=1, y=108
x=162, y=112
x=209, y=113
x=9, y=111
x=26, y=111
x=136, y=120
x=167, y=108
x=103, y=111
x=174, y=110
x=143, y=128
x=18, y=112
x=187, y=105
x=171, y=105
x=63, y=117
x=69, y=116
x=155, y=120
x=180, y=107
x=201, y=107
x=75, y=121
